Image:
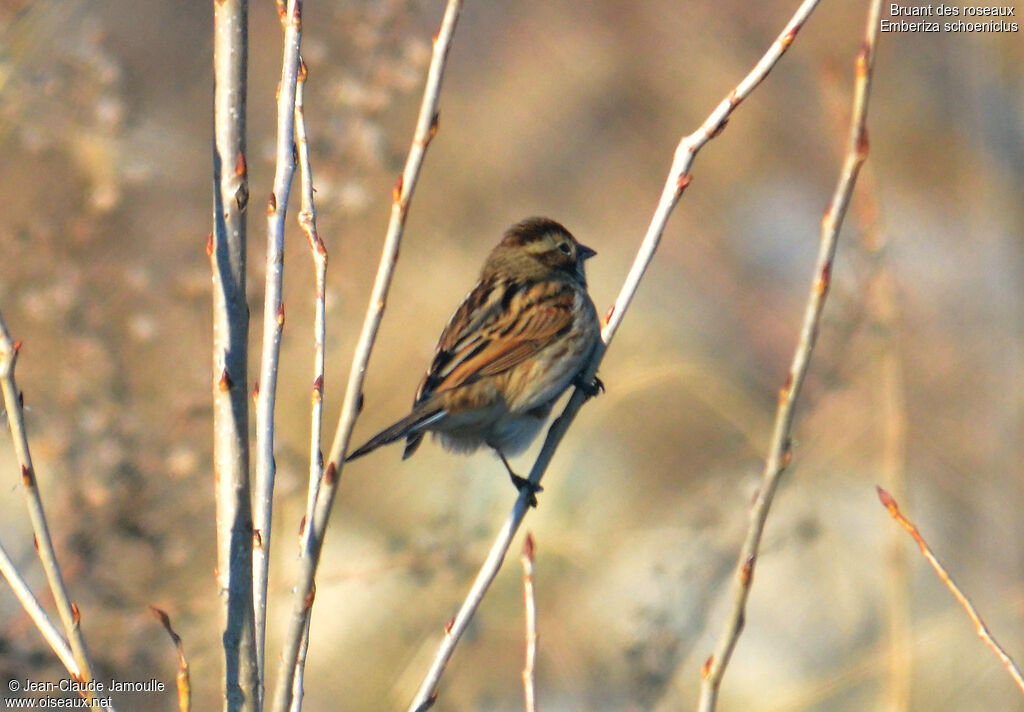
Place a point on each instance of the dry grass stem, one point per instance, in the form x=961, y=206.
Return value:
x=273, y=321
x=979, y=625
x=54, y=638
x=676, y=182
x=68, y=611
x=183, y=679
x=530, y=606
x=779, y=453
x=316, y=526
x=226, y=248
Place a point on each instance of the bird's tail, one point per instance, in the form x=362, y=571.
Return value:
x=410, y=426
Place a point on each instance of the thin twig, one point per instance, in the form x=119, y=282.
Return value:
x=39, y=616
x=779, y=453
x=183, y=678
x=979, y=625
x=315, y=530
x=530, y=605
x=307, y=221
x=676, y=182
x=68, y=611
x=273, y=322
x=226, y=248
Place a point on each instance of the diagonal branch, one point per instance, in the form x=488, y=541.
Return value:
x=779, y=453
x=273, y=321
x=68, y=611
x=979, y=625
x=54, y=638
x=676, y=182
x=315, y=529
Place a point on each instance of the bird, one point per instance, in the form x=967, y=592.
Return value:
x=523, y=334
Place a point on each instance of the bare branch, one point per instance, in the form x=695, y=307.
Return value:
x=779, y=453
x=677, y=181
x=530, y=605
x=23, y=593
x=979, y=625
x=316, y=526
x=307, y=221
x=226, y=248
x=273, y=321
x=68, y=611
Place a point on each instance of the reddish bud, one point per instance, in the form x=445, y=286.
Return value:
x=862, y=61
x=396, y=194
x=240, y=167
x=887, y=501
x=448, y=626
x=310, y=596
x=225, y=383
x=257, y=539
x=747, y=571
x=17, y=346
x=272, y=204
x=331, y=475
x=824, y=279
x=280, y=314
x=705, y=669
x=28, y=477
x=682, y=182
x=76, y=615
x=790, y=36
x=209, y=245
x=863, y=144
x=608, y=314
x=787, y=454
x=528, y=547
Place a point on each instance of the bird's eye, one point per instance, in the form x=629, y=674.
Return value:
x=564, y=247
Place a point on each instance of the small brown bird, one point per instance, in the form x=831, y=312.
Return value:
x=520, y=338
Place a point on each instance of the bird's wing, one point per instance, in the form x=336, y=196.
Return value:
x=498, y=329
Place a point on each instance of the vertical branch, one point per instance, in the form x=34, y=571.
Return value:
x=226, y=248
x=530, y=605
x=675, y=184
x=273, y=321
x=780, y=453
x=68, y=611
x=315, y=529
x=307, y=221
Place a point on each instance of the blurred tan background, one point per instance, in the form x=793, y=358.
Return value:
x=570, y=110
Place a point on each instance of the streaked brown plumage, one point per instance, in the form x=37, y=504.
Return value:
x=520, y=338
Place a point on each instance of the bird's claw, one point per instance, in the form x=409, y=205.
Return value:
x=522, y=483
x=590, y=389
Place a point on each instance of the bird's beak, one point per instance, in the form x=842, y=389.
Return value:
x=584, y=252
